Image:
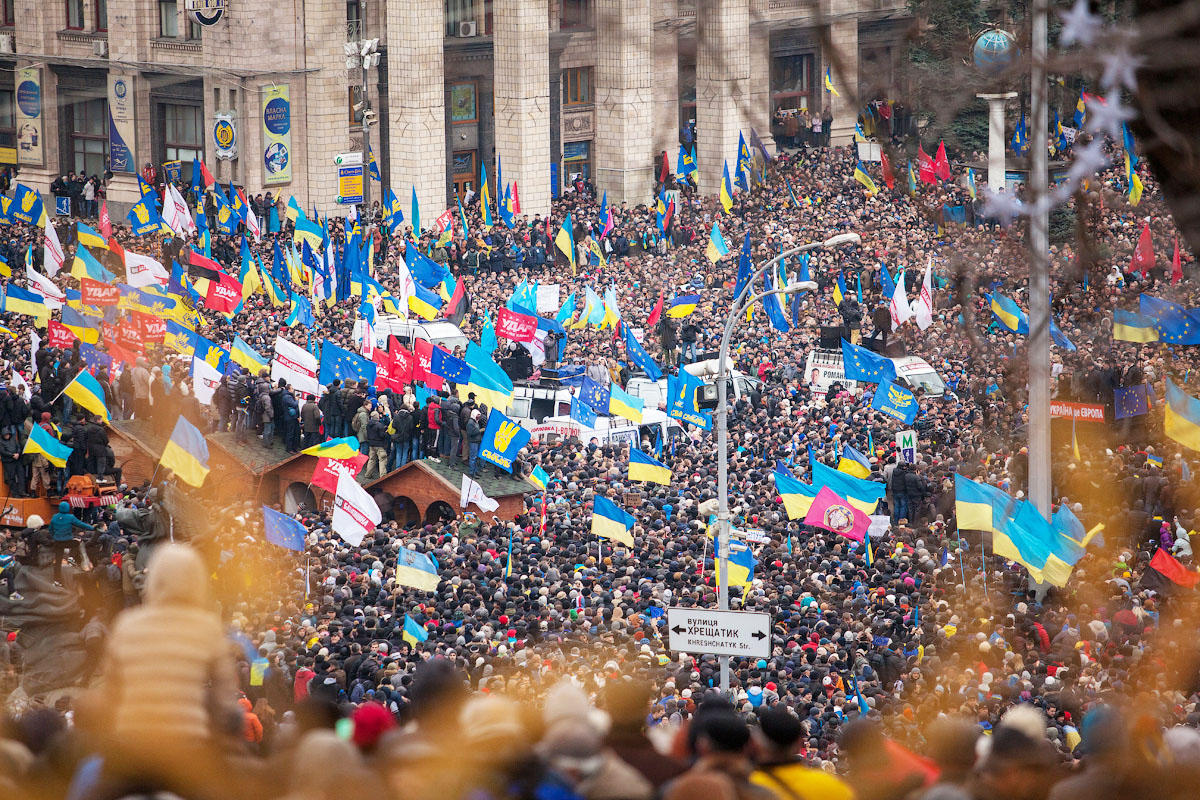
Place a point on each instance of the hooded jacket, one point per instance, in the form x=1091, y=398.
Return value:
x=163, y=654
x=64, y=523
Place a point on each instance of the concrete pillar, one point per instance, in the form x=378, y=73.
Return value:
x=995, y=176
x=417, y=104
x=325, y=131
x=665, y=131
x=843, y=37
x=624, y=100
x=759, y=106
x=722, y=85
x=522, y=92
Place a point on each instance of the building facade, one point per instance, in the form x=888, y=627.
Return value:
x=267, y=95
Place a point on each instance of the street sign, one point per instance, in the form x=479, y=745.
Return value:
x=350, y=185
x=723, y=633
x=906, y=443
x=354, y=159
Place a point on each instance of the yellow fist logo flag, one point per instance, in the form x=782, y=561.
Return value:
x=223, y=215
x=143, y=213
x=898, y=397
x=27, y=201
x=505, y=434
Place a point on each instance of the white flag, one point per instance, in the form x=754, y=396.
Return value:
x=924, y=308
x=205, y=379
x=355, y=513
x=53, y=256
x=252, y=224
x=21, y=385
x=537, y=347
x=367, y=343
x=295, y=365
x=176, y=213
x=472, y=492
x=899, y=308
x=144, y=271
x=35, y=344
x=52, y=296
x=407, y=286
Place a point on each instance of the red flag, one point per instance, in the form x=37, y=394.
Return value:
x=58, y=335
x=402, y=361
x=656, y=312
x=154, y=329
x=327, y=470
x=129, y=335
x=224, y=294
x=105, y=222
x=119, y=354
x=888, y=177
x=116, y=249
x=1143, y=254
x=98, y=293
x=1176, y=266
x=423, y=365
x=456, y=309
x=1172, y=570
x=385, y=371
x=516, y=200
x=208, y=178
x=666, y=169
x=199, y=260
x=925, y=166
x=941, y=165
x=831, y=512
x=518, y=327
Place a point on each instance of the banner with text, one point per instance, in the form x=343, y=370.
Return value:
x=277, y=134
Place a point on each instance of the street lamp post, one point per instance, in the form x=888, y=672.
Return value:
x=740, y=303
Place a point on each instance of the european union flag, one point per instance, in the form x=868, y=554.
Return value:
x=863, y=365
x=340, y=364
x=895, y=401
x=1176, y=325
x=1132, y=401
x=282, y=530
x=447, y=366
x=582, y=413
x=94, y=358
x=639, y=356
x=425, y=270
x=595, y=395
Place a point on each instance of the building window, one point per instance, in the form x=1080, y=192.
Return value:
x=574, y=14
x=577, y=86
x=10, y=13
x=458, y=12
x=75, y=15
x=791, y=81
x=101, y=15
x=8, y=121
x=168, y=18
x=354, y=27
x=183, y=131
x=89, y=136
x=194, y=29
x=577, y=160
x=356, y=115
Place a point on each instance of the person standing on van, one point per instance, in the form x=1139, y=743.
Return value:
x=667, y=340
x=332, y=407
x=688, y=336
x=432, y=414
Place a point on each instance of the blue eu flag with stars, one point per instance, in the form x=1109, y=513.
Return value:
x=595, y=395
x=582, y=413
x=1176, y=325
x=863, y=365
x=340, y=364
x=447, y=366
x=1132, y=401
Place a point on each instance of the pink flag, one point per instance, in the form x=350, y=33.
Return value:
x=831, y=512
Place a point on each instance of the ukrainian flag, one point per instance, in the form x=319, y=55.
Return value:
x=863, y=495
x=717, y=249
x=244, y=355
x=413, y=633
x=87, y=392
x=186, y=453
x=682, y=306
x=539, y=478
x=726, y=190
x=829, y=82
x=625, y=405
x=424, y=302
x=42, y=441
x=860, y=175
x=294, y=211
x=797, y=495
x=488, y=381
x=179, y=338
x=854, y=463
x=8, y=330
x=644, y=468
x=565, y=239
x=610, y=522
x=1008, y=313
x=839, y=290
x=23, y=301
x=975, y=503
x=1182, y=417
x=89, y=237
x=1129, y=326
x=77, y=324
x=417, y=570
x=337, y=449
x=971, y=182
x=85, y=265
x=739, y=567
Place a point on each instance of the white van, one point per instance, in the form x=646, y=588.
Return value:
x=610, y=429
x=655, y=392
x=823, y=367
x=440, y=332
x=532, y=404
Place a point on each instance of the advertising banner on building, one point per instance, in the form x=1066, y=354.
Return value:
x=277, y=135
x=120, y=124
x=30, y=135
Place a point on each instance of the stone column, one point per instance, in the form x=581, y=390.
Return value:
x=417, y=104
x=324, y=133
x=665, y=131
x=522, y=92
x=624, y=100
x=760, y=74
x=843, y=37
x=722, y=85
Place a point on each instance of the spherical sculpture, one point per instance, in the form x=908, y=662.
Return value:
x=993, y=51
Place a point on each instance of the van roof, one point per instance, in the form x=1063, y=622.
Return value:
x=650, y=416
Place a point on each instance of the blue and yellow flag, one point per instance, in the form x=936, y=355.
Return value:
x=186, y=453
x=1129, y=326
x=726, y=189
x=610, y=522
x=79, y=325
x=424, y=302
x=797, y=496
x=739, y=567
x=42, y=441
x=23, y=301
x=971, y=182
x=829, y=82
x=683, y=305
x=1182, y=422
x=89, y=237
x=716, y=249
x=645, y=468
x=625, y=405
x=87, y=392
x=1008, y=313
x=85, y=265
x=244, y=355
x=565, y=239
x=485, y=197
x=539, y=478
x=744, y=164
x=861, y=494
x=338, y=449
x=854, y=463
x=860, y=175
x=413, y=633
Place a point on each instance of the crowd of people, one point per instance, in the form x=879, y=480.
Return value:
x=230, y=667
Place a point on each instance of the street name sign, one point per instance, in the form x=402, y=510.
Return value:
x=723, y=633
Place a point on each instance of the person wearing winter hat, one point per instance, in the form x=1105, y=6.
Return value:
x=781, y=770
x=62, y=536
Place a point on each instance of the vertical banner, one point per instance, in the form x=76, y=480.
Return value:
x=30, y=136
x=277, y=134
x=120, y=124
